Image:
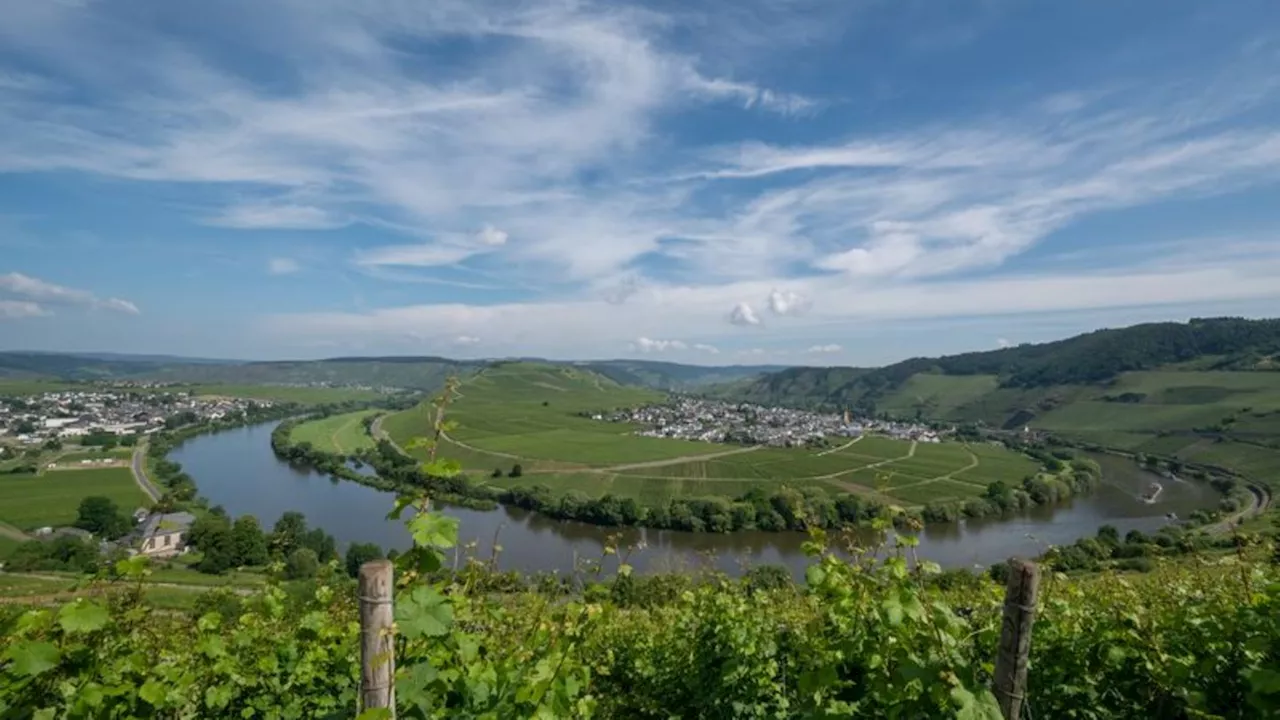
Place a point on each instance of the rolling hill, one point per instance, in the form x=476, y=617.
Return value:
x=1206, y=391
x=419, y=373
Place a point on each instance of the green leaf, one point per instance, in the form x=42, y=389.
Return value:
x=624, y=570
x=893, y=610
x=442, y=468
x=82, y=616
x=814, y=575
x=32, y=658
x=402, y=502
x=423, y=613
x=434, y=530
x=375, y=714
x=153, y=692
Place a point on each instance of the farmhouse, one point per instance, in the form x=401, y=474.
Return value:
x=164, y=534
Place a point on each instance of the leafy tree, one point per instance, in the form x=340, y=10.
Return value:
x=248, y=542
x=204, y=526
x=301, y=564
x=360, y=553
x=516, y=471
x=321, y=543
x=217, y=550
x=497, y=472
x=102, y=517
x=287, y=535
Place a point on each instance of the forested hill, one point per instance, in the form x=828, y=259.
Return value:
x=1092, y=358
x=425, y=372
x=674, y=376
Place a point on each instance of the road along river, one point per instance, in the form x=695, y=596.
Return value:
x=236, y=469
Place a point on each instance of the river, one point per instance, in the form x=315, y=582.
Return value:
x=237, y=470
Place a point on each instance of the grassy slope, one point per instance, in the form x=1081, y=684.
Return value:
x=503, y=420
x=32, y=501
x=338, y=433
x=1173, y=404
x=13, y=387
x=302, y=395
x=936, y=395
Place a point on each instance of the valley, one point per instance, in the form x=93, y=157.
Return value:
x=532, y=415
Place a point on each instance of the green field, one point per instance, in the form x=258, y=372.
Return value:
x=19, y=388
x=342, y=434
x=936, y=395
x=94, y=454
x=531, y=414
x=280, y=393
x=51, y=499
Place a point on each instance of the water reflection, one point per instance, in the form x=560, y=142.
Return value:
x=237, y=470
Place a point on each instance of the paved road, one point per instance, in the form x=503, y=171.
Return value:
x=140, y=473
x=1261, y=501
x=376, y=431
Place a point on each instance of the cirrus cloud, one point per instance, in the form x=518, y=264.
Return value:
x=40, y=291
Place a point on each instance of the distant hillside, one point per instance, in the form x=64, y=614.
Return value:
x=1207, y=391
x=673, y=376
x=423, y=372
x=406, y=372
x=59, y=366
x=1092, y=358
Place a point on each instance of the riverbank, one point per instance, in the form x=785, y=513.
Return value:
x=239, y=471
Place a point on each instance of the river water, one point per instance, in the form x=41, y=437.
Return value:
x=236, y=469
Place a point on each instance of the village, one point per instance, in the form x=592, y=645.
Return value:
x=74, y=415
x=691, y=418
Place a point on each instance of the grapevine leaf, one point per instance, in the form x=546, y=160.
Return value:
x=152, y=692
x=424, y=613
x=402, y=502
x=442, y=468
x=814, y=575
x=82, y=616
x=893, y=610
x=32, y=657
x=433, y=530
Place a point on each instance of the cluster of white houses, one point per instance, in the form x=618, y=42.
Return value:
x=690, y=418
x=73, y=414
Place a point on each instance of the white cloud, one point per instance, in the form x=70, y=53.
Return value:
x=491, y=236
x=647, y=345
x=709, y=349
x=743, y=314
x=366, y=135
x=1202, y=273
x=39, y=290
x=1003, y=343
x=283, y=266
x=466, y=340
x=787, y=302
x=278, y=217
x=824, y=349
x=424, y=255
x=753, y=352
x=16, y=309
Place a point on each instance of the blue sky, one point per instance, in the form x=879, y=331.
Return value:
x=781, y=181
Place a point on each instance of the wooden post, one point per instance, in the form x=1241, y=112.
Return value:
x=377, y=643
x=1015, y=636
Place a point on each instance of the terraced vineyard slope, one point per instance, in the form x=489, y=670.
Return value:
x=535, y=416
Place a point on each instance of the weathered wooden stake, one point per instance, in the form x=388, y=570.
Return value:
x=1015, y=636
x=377, y=643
